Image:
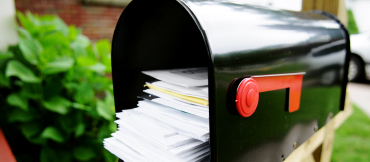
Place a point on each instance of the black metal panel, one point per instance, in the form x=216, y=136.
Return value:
x=233, y=41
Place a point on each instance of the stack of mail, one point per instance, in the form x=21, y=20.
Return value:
x=170, y=123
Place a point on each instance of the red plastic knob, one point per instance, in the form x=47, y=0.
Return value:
x=247, y=97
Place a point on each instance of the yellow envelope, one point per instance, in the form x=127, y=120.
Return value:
x=187, y=98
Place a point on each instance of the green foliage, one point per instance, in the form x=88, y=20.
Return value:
x=15, y=68
x=352, y=26
x=54, y=92
x=352, y=140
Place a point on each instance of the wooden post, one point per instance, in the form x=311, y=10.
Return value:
x=327, y=145
x=335, y=7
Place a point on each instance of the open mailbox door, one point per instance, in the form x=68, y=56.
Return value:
x=273, y=76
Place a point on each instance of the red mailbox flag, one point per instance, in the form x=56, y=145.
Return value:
x=6, y=153
x=248, y=91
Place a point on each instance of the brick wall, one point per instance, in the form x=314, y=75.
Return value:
x=96, y=21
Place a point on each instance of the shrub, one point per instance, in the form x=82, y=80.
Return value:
x=55, y=102
x=352, y=26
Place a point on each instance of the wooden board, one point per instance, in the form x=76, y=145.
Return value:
x=335, y=7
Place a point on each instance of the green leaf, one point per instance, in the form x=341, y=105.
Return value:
x=58, y=104
x=60, y=65
x=4, y=81
x=53, y=134
x=29, y=130
x=104, y=131
x=6, y=55
x=31, y=50
x=80, y=129
x=112, y=127
x=105, y=111
x=84, y=94
x=49, y=23
x=49, y=54
x=90, y=53
x=18, y=115
x=97, y=67
x=61, y=26
x=80, y=41
x=15, y=99
x=70, y=122
x=103, y=48
x=106, y=108
x=24, y=33
x=78, y=51
x=102, y=83
x=54, y=38
x=38, y=140
x=70, y=85
x=24, y=21
x=86, y=61
x=109, y=157
x=109, y=99
x=73, y=32
x=84, y=153
x=33, y=19
x=80, y=106
x=16, y=68
x=66, y=51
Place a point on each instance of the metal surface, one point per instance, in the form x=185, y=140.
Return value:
x=235, y=41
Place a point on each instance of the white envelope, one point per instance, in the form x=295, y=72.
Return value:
x=189, y=77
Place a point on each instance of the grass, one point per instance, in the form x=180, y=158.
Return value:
x=352, y=139
x=352, y=26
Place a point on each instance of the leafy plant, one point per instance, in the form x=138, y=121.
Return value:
x=352, y=26
x=54, y=93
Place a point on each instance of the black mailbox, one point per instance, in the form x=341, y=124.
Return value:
x=235, y=41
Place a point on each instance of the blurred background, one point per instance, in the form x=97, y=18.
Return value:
x=56, y=100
